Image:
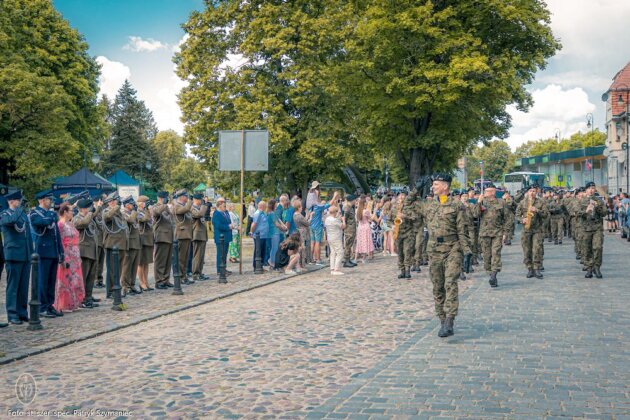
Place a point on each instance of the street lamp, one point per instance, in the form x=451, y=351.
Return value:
x=558, y=135
x=589, y=124
x=148, y=166
x=620, y=102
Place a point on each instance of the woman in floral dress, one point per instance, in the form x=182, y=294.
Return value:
x=69, y=291
x=235, y=246
x=365, y=246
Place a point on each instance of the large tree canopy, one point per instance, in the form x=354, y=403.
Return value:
x=48, y=88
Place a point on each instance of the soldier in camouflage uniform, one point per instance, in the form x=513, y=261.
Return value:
x=420, y=243
x=576, y=222
x=547, y=200
x=494, y=223
x=510, y=205
x=566, y=199
x=444, y=217
x=532, y=239
x=557, y=210
x=473, y=227
x=591, y=211
x=406, y=241
x=463, y=199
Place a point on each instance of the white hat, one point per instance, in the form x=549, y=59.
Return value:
x=315, y=184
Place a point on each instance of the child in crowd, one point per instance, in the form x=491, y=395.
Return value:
x=334, y=230
x=288, y=254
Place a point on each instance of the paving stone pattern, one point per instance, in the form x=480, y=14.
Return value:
x=552, y=348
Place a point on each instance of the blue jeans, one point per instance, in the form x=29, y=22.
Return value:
x=275, y=244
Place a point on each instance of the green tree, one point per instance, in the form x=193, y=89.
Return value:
x=131, y=144
x=552, y=145
x=497, y=160
x=430, y=78
x=48, y=88
x=187, y=173
x=172, y=150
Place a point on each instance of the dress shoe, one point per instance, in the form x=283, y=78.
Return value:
x=56, y=312
x=589, y=274
x=15, y=321
x=584, y=268
x=538, y=274
x=93, y=299
x=169, y=284
x=3, y=325
x=48, y=314
x=24, y=318
x=161, y=286
x=348, y=265
x=134, y=290
x=442, y=332
x=88, y=305
x=449, y=325
x=493, y=279
x=559, y=242
x=99, y=285
x=597, y=272
x=530, y=273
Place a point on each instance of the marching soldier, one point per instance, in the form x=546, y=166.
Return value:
x=473, y=226
x=444, y=218
x=199, y=212
x=406, y=240
x=350, y=231
x=183, y=230
x=419, y=240
x=510, y=205
x=134, y=246
x=145, y=228
x=116, y=235
x=48, y=245
x=557, y=210
x=18, y=248
x=532, y=211
x=566, y=199
x=591, y=212
x=494, y=223
x=547, y=199
x=576, y=223
x=88, y=248
x=163, y=235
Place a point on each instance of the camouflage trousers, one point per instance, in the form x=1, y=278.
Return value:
x=349, y=236
x=557, y=228
x=533, y=250
x=576, y=234
x=491, y=249
x=547, y=227
x=473, y=235
x=406, y=245
x=592, y=243
x=421, y=247
x=445, y=265
x=510, y=233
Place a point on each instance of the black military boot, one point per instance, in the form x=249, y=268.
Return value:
x=402, y=274
x=597, y=272
x=538, y=274
x=542, y=268
x=589, y=273
x=559, y=241
x=449, y=325
x=584, y=268
x=509, y=242
x=555, y=242
x=415, y=268
x=493, y=279
x=577, y=257
x=407, y=273
x=442, y=332
x=530, y=273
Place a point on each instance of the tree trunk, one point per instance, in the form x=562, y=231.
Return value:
x=420, y=163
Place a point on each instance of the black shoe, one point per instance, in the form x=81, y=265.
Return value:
x=15, y=321
x=589, y=274
x=93, y=299
x=559, y=242
x=538, y=274
x=186, y=282
x=48, y=314
x=161, y=286
x=123, y=293
x=135, y=291
x=493, y=279
x=348, y=265
x=577, y=257
x=443, y=332
x=99, y=285
x=449, y=325
x=24, y=318
x=402, y=274
x=530, y=273
x=169, y=284
x=462, y=276
x=509, y=242
x=407, y=273
x=3, y=325
x=584, y=268
x=88, y=305
x=56, y=312
x=555, y=242
x=597, y=272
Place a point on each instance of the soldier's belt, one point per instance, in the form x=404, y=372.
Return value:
x=447, y=238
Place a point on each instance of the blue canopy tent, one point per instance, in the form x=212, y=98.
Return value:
x=80, y=181
x=125, y=184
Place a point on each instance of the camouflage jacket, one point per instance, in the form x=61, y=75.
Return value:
x=411, y=218
x=556, y=208
x=446, y=225
x=593, y=220
x=494, y=217
x=538, y=217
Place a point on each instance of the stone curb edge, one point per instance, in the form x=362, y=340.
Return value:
x=362, y=378
x=117, y=327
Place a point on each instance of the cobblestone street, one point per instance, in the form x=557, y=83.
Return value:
x=359, y=346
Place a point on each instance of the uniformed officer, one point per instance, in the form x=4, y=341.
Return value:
x=510, y=205
x=406, y=240
x=473, y=226
x=48, y=245
x=576, y=222
x=18, y=248
x=532, y=211
x=163, y=232
x=116, y=235
x=145, y=229
x=419, y=240
x=199, y=211
x=350, y=231
x=592, y=211
x=557, y=210
x=134, y=246
x=444, y=218
x=494, y=224
x=100, y=236
x=88, y=248
x=183, y=230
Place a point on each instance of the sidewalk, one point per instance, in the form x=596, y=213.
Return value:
x=556, y=347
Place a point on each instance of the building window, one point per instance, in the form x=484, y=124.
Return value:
x=577, y=166
x=597, y=164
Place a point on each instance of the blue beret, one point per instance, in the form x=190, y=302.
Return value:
x=17, y=195
x=44, y=194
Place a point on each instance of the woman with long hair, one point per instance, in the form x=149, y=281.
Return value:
x=234, y=249
x=69, y=290
x=387, y=225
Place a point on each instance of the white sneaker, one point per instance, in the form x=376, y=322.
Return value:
x=393, y=254
x=290, y=272
x=337, y=273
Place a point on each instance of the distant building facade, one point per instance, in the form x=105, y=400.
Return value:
x=617, y=99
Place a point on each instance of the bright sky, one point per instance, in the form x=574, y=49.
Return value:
x=135, y=39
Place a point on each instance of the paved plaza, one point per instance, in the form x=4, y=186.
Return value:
x=359, y=346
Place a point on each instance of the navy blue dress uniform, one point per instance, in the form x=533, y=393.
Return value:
x=47, y=243
x=18, y=248
x=221, y=225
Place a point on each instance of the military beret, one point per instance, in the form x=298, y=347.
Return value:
x=163, y=194
x=44, y=194
x=441, y=177
x=532, y=186
x=113, y=196
x=142, y=199
x=16, y=195
x=470, y=189
x=589, y=184
x=128, y=200
x=351, y=197
x=491, y=185
x=180, y=193
x=197, y=196
x=84, y=203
